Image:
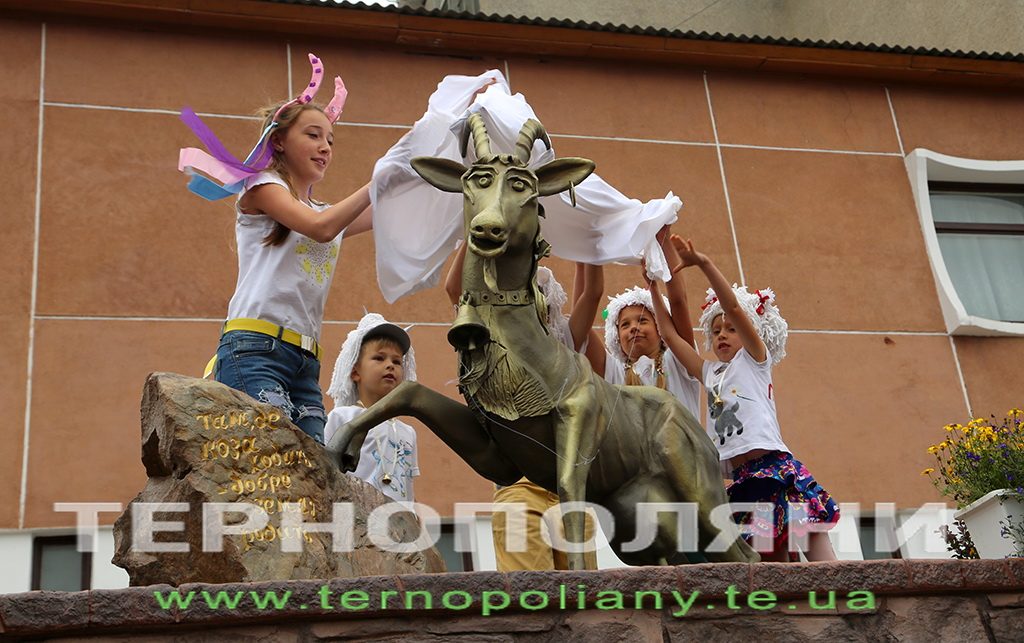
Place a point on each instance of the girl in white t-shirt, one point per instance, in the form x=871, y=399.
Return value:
x=748, y=336
x=633, y=351
x=288, y=246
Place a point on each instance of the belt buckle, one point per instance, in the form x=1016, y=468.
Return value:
x=307, y=343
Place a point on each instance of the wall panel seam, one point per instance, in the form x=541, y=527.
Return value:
x=895, y=123
x=960, y=374
x=30, y=358
x=592, y=137
x=725, y=185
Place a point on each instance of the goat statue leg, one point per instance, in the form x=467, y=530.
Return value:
x=576, y=439
x=454, y=423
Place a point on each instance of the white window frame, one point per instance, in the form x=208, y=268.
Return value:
x=924, y=165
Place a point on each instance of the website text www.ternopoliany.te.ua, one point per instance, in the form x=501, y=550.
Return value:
x=489, y=602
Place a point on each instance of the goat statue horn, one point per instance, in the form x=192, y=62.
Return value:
x=531, y=131
x=481, y=142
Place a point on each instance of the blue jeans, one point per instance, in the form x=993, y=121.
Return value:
x=275, y=372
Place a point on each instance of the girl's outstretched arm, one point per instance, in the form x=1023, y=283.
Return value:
x=587, y=292
x=453, y=281
x=730, y=305
x=681, y=347
x=363, y=223
x=588, y=286
x=276, y=202
x=676, y=289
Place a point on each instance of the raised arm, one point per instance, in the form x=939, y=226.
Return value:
x=588, y=286
x=680, y=347
x=363, y=223
x=727, y=298
x=676, y=289
x=277, y=202
x=453, y=282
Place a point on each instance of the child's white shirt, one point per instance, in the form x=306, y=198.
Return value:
x=387, y=459
x=745, y=419
x=286, y=284
x=678, y=381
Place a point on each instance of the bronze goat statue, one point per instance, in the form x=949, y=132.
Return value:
x=535, y=407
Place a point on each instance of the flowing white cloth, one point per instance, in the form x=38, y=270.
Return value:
x=416, y=226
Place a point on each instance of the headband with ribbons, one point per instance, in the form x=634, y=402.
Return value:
x=760, y=307
x=226, y=174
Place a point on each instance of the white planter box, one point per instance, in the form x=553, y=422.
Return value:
x=982, y=518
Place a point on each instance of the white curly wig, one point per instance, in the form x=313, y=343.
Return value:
x=635, y=296
x=760, y=307
x=342, y=388
x=555, y=298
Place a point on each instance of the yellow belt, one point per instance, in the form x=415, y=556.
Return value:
x=304, y=342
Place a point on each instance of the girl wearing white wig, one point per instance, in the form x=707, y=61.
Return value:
x=747, y=335
x=375, y=358
x=633, y=352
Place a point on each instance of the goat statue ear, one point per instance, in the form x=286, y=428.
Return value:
x=443, y=174
x=561, y=174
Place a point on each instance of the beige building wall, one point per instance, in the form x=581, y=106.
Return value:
x=967, y=25
x=113, y=270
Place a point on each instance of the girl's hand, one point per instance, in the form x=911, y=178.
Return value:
x=643, y=273
x=687, y=252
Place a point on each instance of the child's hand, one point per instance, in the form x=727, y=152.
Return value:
x=687, y=252
x=481, y=90
x=643, y=273
x=663, y=234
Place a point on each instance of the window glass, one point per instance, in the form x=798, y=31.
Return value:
x=60, y=566
x=977, y=208
x=986, y=266
x=454, y=561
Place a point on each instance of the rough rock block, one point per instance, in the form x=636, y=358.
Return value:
x=204, y=443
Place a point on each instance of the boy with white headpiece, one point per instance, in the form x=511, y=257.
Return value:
x=747, y=335
x=374, y=359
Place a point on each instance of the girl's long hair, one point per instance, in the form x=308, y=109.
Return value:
x=277, y=164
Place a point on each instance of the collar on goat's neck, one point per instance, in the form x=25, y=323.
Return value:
x=519, y=297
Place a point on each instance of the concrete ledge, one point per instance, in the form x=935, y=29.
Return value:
x=952, y=599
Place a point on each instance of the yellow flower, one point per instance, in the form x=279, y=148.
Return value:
x=928, y=471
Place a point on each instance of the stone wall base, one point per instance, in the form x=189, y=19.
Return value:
x=844, y=601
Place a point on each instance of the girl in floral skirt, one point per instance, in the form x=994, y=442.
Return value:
x=748, y=336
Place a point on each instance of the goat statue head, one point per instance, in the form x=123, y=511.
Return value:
x=501, y=209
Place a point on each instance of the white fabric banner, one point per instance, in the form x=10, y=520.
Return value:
x=416, y=226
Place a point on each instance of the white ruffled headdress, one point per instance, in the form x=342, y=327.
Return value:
x=635, y=296
x=555, y=297
x=760, y=307
x=342, y=388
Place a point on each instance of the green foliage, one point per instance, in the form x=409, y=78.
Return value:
x=979, y=457
x=958, y=540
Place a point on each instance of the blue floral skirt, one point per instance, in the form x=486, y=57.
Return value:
x=782, y=480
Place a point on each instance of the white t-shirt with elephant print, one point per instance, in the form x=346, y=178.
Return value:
x=286, y=284
x=741, y=406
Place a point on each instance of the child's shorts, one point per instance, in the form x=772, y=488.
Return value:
x=782, y=480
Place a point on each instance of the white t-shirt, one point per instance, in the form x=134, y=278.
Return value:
x=677, y=381
x=392, y=474
x=745, y=419
x=286, y=284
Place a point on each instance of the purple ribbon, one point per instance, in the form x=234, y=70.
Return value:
x=258, y=159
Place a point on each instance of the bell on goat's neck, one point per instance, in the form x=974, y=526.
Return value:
x=468, y=332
